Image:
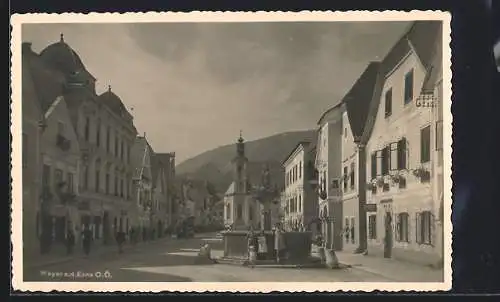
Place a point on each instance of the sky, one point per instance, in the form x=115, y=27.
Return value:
x=194, y=86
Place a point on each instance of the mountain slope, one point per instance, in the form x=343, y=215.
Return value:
x=215, y=165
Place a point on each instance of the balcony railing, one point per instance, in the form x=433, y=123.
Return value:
x=63, y=143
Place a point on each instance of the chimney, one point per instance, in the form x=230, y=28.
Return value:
x=27, y=47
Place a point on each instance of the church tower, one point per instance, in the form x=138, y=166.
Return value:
x=240, y=168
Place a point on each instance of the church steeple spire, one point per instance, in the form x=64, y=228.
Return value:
x=240, y=146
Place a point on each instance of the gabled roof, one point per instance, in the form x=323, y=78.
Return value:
x=421, y=37
x=360, y=96
x=337, y=106
x=304, y=144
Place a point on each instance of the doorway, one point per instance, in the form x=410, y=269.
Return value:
x=388, y=239
x=105, y=227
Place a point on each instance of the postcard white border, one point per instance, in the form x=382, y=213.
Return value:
x=151, y=17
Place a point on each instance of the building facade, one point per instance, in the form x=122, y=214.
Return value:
x=167, y=161
x=349, y=186
x=142, y=218
x=32, y=126
x=300, y=200
x=400, y=150
x=241, y=211
x=60, y=158
x=160, y=202
x=105, y=133
x=363, y=94
x=328, y=166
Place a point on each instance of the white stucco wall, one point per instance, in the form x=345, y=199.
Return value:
x=406, y=121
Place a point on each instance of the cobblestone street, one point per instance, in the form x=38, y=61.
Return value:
x=175, y=261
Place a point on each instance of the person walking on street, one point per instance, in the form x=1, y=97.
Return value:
x=70, y=241
x=87, y=239
x=120, y=239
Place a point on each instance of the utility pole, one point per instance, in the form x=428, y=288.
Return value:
x=363, y=238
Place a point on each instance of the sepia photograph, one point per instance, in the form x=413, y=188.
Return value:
x=231, y=151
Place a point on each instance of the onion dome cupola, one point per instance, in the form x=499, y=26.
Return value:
x=61, y=56
x=240, y=146
x=113, y=102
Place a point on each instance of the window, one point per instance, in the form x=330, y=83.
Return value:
x=388, y=103
x=70, y=182
x=352, y=177
x=116, y=186
x=97, y=180
x=58, y=176
x=116, y=144
x=228, y=211
x=386, y=159
x=374, y=165
x=121, y=150
x=300, y=203
x=106, y=188
x=46, y=175
x=87, y=129
x=372, y=227
x=345, y=132
x=408, y=87
x=425, y=144
x=439, y=135
x=60, y=128
x=239, y=213
x=379, y=162
x=300, y=170
x=25, y=150
x=85, y=178
x=108, y=134
x=121, y=188
x=345, y=178
x=98, y=133
x=402, y=154
x=250, y=213
x=424, y=227
x=393, y=158
x=402, y=227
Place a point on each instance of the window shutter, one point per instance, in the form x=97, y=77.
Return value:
x=374, y=166
x=401, y=154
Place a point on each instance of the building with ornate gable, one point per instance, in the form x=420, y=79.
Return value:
x=402, y=164
x=105, y=133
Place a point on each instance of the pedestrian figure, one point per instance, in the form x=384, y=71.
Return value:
x=87, y=240
x=70, y=241
x=120, y=239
